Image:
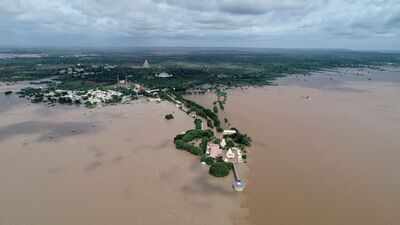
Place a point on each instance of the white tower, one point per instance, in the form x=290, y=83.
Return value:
x=146, y=64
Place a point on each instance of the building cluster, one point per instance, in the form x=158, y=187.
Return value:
x=231, y=154
x=92, y=97
x=76, y=70
x=83, y=71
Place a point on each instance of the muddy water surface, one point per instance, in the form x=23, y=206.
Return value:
x=325, y=151
x=112, y=165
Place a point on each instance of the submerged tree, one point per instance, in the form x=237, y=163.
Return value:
x=169, y=117
x=219, y=169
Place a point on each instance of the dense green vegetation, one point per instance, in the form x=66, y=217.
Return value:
x=203, y=144
x=219, y=169
x=241, y=139
x=182, y=145
x=215, y=109
x=183, y=141
x=221, y=105
x=189, y=141
x=212, y=118
x=190, y=68
x=208, y=160
x=198, y=123
x=196, y=134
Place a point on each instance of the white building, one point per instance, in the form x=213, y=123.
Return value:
x=146, y=64
x=229, y=132
x=230, y=154
x=223, y=143
x=239, y=154
x=164, y=75
x=157, y=100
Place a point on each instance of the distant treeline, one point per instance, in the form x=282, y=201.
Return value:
x=190, y=68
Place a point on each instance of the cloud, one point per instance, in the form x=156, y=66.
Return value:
x=269, y=23
x=258, y=7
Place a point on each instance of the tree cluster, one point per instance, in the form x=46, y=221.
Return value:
x=169, y=117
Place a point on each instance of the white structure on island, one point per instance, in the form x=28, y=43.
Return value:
x=238, y=153
x=223, y=143
x=193, y=115
x=229, y=132
x=146, y=64
x=229, y=154
x=157, y=100
x=164, y=75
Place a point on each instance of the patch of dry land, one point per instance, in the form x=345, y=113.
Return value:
x=108, y=165
x=326, y=148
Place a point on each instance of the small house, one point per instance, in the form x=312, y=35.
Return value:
x=223, y=143
x=229, y=132
x=229, y=154
x=214, y=150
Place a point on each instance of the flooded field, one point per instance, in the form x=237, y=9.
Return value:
x=111, y=165
x=326, y=149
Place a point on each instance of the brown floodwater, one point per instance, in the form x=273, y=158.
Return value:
x=111, y=165
x=327, y=159
x=326, y=151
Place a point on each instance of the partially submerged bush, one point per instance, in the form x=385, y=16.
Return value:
x=181, y=145
x=195, y=134
x=241, y=139
x=215, y=109
x=169, y=117
x=219, y=169
x=203, y=144
x=198, y=123
x=208, y=160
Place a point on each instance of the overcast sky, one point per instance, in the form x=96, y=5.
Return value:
x=354, y=24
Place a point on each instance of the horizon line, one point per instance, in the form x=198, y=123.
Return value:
x=118, y=47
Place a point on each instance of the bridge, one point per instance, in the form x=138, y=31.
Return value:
x=237, y=184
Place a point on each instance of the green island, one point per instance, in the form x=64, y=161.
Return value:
x=217, y=147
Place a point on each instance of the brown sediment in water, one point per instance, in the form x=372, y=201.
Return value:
x=327, y=159
x=321, y=155
x=111, y=165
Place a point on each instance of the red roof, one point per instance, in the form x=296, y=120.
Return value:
x=215, y=150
